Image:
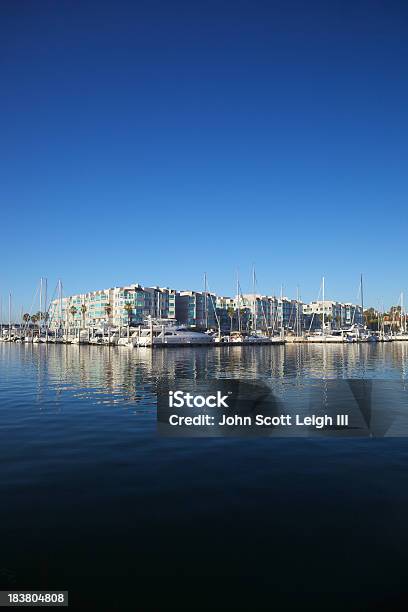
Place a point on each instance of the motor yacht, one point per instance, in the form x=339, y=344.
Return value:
x=172, y=336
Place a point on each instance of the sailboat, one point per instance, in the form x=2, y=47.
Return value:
x=325, y=335
x=57, y=336
x=254, y=335
x=402, y=333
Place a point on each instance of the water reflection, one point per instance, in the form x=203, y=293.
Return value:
x=117, y=375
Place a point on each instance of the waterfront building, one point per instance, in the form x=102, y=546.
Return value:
x=262, y=312
x=115, y=306
x=352, y=313
x=270, y=313
x=228, y=315
x=196, y=309
x=290, y=314
x=134, y=304
x=138, y=303
x=336, y=314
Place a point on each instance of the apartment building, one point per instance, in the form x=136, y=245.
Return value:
x=196, y=309
x=116, y=306
x=336, y=314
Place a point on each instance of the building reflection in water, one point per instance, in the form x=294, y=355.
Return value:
x=118, y=375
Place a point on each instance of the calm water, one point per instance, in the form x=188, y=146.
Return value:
x=92, y=499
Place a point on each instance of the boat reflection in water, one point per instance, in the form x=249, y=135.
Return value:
x=113, y=375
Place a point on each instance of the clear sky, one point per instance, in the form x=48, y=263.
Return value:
x=154, y=141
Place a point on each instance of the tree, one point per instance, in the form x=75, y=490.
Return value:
x=129, y=309
x=26, y=317
x=83, y=311
x=371, y=318
x=108, y=309
x=231, y=313
x=73, y=311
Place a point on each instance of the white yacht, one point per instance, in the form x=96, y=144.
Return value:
x=257, y=338
x=334, y=336
x=401, y=336
x=239, y=338
x=171, y=336
x=96, y=340
x=55, y=339
x=81, y=338
x=111, y=339
x=129, y=342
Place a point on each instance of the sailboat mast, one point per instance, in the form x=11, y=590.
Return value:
x=238, y=305
x=45, y=306
x=40, y=316
x=323, y=328
x=59, y=304
x=10, y=315
x=254, y=320
x=362, y=297
x=297, y=326
x=205, y=300
x=281, y=313
x=402, y=313
x=382, y=321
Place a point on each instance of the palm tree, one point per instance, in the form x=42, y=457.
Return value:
x=26, y=317
x=108, y=310
x=73, y=311
x=34, y=319
x=231, y=313
x=39, y=317
x=83, y=311
x=129, y=309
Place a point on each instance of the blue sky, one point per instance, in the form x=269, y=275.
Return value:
x=154, y=141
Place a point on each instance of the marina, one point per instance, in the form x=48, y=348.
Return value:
x=159, y=317
x=175, y=336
